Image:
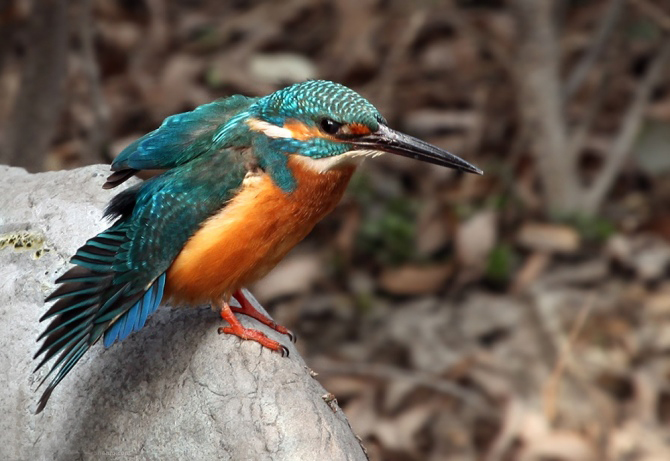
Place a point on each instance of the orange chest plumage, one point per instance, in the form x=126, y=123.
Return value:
x=252, y=233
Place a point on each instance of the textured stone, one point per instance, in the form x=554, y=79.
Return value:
x=174, y=390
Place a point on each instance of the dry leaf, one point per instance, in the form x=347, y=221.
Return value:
x=415, y=280
x=551, y=238
x=475, y=238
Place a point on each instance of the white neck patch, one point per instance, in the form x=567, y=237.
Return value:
x=268, y=129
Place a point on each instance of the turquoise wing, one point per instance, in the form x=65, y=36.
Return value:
x=179, y=139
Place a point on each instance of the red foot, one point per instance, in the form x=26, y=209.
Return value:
x=249, y=310
x=238, y=330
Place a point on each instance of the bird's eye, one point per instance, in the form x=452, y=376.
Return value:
x=330, y=126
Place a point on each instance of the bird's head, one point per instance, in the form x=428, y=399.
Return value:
x=329, y=124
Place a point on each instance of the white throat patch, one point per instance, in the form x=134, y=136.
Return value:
x=321, y=165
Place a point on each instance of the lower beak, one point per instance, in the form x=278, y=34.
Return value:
x=387, y=140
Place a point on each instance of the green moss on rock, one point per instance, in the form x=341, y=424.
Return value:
x=24, y=241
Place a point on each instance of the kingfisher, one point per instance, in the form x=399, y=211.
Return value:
x=245, y=179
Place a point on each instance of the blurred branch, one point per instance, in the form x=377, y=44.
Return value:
x=656, y=14
x=33, y=120
x=552, y=386
x=579, y=134
x=97, y=136
x=541, y=103
x=630, y=127
x=9, y=23
x=463, y=24
x=389, y=72
x=581, y=70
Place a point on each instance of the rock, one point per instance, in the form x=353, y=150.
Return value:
x=174, y=390
x=551, y=238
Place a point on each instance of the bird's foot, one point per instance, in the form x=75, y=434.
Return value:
x=255, y=335
x=240, y=331
x=249, y=310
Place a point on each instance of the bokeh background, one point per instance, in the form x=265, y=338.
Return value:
x=520, y=315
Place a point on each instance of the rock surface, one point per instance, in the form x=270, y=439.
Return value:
x=174, y=390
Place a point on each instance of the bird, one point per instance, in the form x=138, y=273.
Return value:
x=244, y=180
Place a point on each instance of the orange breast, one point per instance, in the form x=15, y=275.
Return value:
x=252, y=233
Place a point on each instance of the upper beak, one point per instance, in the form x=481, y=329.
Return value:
x=394, y=142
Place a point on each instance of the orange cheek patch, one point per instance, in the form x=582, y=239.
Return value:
x=358, y=129
x=301, y=131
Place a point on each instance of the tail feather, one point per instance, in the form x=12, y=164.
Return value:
x=69, y=290
x=93, y=263
x=65, y=305
x=92, y=301
x=68, y=359
x=57, y=344
x=81, y=274
x=64, y=321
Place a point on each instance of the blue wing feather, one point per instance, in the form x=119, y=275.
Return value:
x=145, y=309
x=135, y=318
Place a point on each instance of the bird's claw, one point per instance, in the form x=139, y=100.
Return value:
x=292, y=336
x=246, y=308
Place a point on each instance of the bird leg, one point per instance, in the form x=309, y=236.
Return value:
x=249, y=310
x=240, y=331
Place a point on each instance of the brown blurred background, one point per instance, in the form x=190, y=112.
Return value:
x=521, y=315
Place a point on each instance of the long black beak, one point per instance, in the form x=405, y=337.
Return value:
x=394, y=142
